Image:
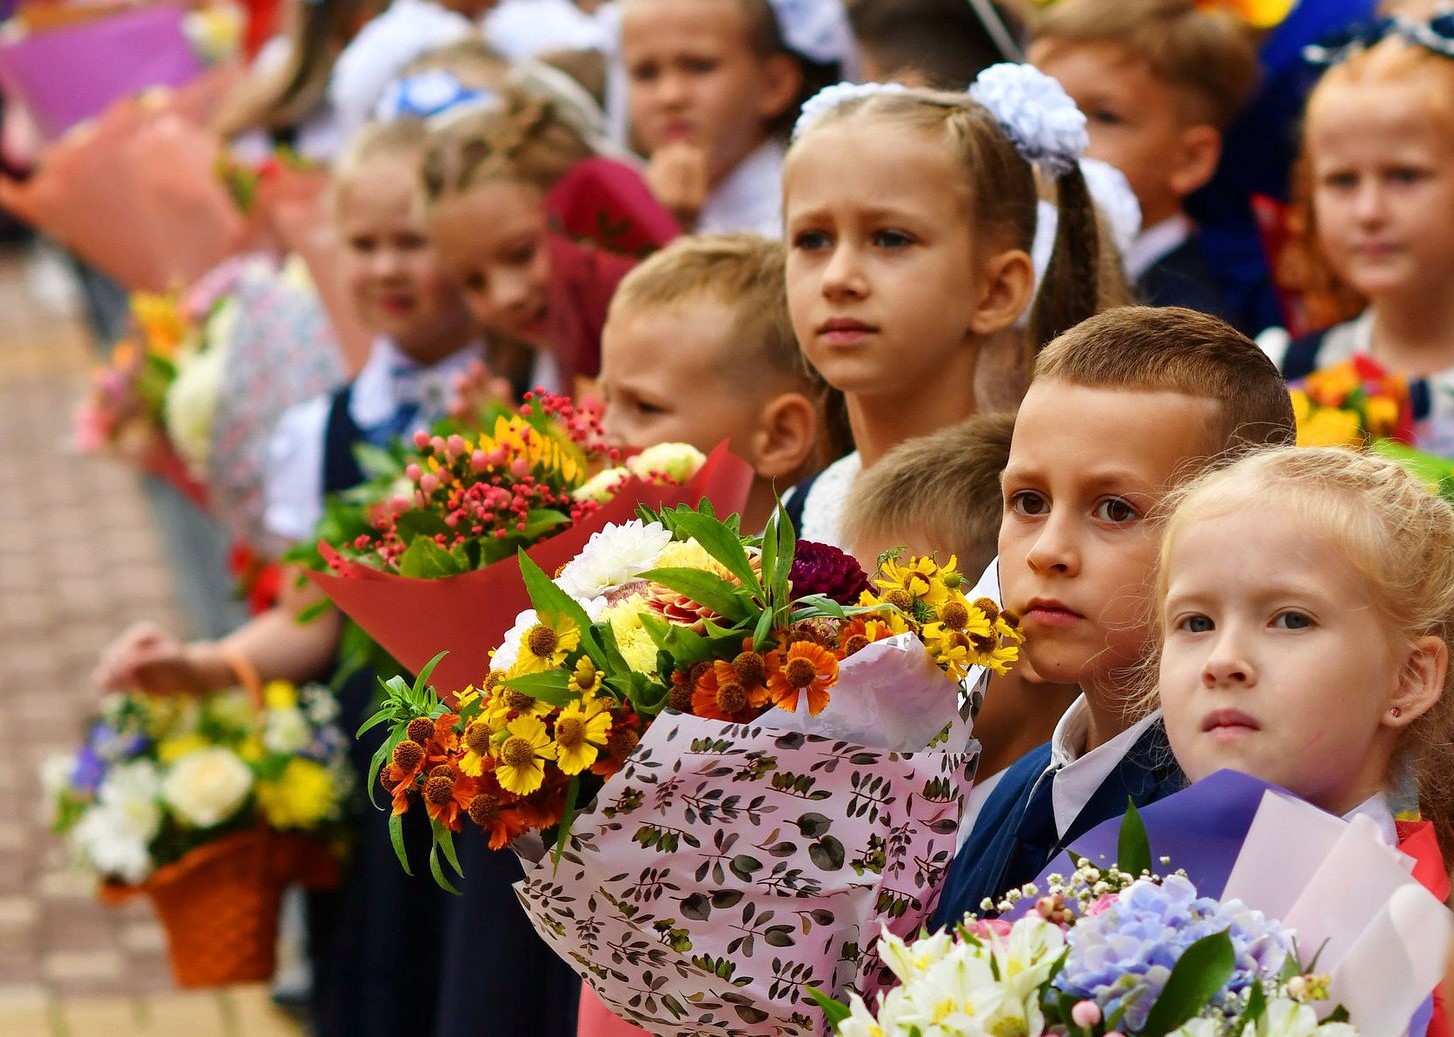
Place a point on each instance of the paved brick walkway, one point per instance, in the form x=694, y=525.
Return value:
x=78, y=562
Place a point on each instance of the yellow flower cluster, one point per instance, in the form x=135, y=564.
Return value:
x=301, y=797
x=928, y=599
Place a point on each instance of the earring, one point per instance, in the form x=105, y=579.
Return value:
x=1396, y=712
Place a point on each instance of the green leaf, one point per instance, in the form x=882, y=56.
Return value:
x=414, y=524
x=1256, y=1006
x=396, y=836
x=720, y=542
x=444, y=839
x=1202, y=971
x=717, y=594
x=833, y=1011
x=541, y=521
x=424, y=559
x=1133, y=849
x=377, y=461
x=572, y=794
x=549, y=599
x=780, y=529
x=438, y=872
x=551, y=687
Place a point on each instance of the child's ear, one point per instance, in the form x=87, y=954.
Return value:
x=782, y=79
x=1009, y=283
x=1421, y=681
x=787, y=432
x=1201, y=150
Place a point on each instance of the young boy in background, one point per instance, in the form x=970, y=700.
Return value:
x=697, y=348
x=1159, y=82
x=1123, y=407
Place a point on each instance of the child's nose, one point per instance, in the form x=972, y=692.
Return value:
x=1055, y=549
x=843, y=275
x=1228, y=665
x=1369, y=202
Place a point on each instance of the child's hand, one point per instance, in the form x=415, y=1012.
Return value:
x=677, y=175
x=475, y=389
x=147, y=658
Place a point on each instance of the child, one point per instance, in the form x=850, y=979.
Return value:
x=1379, y=138
x=486, y=179
x=713, y=88
x=910, y=216
x=698, y=348
x=940, y=495
x=1122, y=407
x=1316, y=583
x=1158, y=80
x=1312, y=582
x=381, y=949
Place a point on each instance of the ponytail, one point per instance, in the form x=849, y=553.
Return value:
x=1070, y=290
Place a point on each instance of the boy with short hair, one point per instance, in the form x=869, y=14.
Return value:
x=1122, y=408
x=1159, y=82
x=698, y=348
x=942, y=44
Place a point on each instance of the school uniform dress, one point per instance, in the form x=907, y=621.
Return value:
x=1166, y=268
x=816, y=504
x=750, y=197
x=1431, y=398
x=1048, y=799
x=393, y=954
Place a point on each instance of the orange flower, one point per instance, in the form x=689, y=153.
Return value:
x=806, y=668
x=721, y=695
x=447, y=793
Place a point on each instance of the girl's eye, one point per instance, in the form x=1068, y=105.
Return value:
x=700, y=66
x=412, y=242
x=1028, y=502
x=1114, y=509
x=643, y=407
x=1196, y=624
x=1106, y=118
x=1340, y=179
x=361, y=244
x=524, y=254
x=643, y=73
x=1292, y=620
x=892, y=239
x=1406, y=175
x=810, y=240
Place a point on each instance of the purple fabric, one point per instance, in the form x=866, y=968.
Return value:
x=1201, y=829
x=69, y=74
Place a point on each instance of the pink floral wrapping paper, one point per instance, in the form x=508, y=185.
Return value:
x=727, y=867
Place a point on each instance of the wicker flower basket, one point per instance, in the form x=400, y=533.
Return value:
x=219, y=903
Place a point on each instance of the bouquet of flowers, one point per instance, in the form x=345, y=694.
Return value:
x=210, y=806
x=757, y=712
x=423, y=556
x=1097, y=948
x=1350, y=404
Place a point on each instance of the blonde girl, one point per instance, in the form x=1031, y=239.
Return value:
x=490, y=179
x=910, y=216
x=1306, y=599
x=1378, y=142
x=713, y=87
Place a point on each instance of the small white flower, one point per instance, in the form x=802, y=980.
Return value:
x=206, y=787
x=320, y=705
x=1036, y=113
x=107, y=840
x=602, y=486
x=611, y=557
x=508, y=653
x=286, y=731
x=55, y=776
x=677, y=461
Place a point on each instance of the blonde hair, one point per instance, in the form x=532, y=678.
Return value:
x=1206, y=56
x=1395, y=533
x=526, y=139
x=744, y=272
x=945, y=486
x=1173, y=349
x=1002, y=195
x=405, y=138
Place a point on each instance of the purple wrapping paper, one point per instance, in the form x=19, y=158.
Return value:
x=66, y=75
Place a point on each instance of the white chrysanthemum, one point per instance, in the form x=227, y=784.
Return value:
x=1285, y=1018
x=191, y=402
x=678, y=462
x=286, y=731
x=611, y=557
x=134, y=788
x=107, y=840
x=602, y=486
x=55, y=776
x=206, y=787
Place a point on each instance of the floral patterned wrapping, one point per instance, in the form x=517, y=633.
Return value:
x=728, y=867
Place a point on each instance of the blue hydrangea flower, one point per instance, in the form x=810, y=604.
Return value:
x=1123, y=956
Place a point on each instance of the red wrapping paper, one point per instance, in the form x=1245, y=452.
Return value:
x=415, y=619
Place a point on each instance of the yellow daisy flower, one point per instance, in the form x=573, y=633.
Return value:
x=520, y=754
x=546, y=644
x=581, y=731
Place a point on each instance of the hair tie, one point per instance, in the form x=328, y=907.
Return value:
x=1036, y=113
x=830, y=97
x=1436, y=35
x=819, y=31
x=430, y=93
